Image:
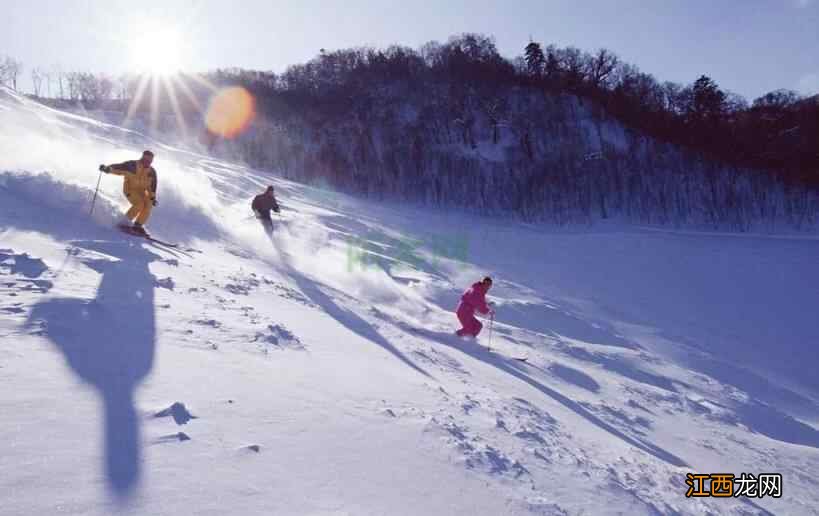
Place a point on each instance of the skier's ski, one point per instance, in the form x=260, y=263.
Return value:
x=129, y=230
x=519, y=358
x=162, y=242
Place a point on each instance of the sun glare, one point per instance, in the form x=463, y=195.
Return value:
x=159, y=56
x=157, y=52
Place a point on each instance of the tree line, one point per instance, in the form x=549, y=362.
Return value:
x=554, y=133
x=395, y=122
x=60, y=87
x=777, y=131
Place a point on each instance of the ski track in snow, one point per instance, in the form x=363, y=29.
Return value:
x=323, y=371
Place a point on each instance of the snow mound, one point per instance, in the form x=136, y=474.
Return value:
x=278, y=337
x=178, y=411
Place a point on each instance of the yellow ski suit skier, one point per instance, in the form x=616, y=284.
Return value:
x=139, y=186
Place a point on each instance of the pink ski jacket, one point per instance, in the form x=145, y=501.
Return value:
x=475, y=298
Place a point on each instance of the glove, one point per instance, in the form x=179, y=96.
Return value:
x=104, y=168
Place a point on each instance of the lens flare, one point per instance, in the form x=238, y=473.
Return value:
x=230, y=111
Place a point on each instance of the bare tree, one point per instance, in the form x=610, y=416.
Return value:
x=495, y=109
x=74, y=83
x=15, y=69
x=48, y=77
x=674, y=100
x=552, y=67
x=600, y=67
x=573, y=62
x=37, y=77
x=10, y=70
x=90, y=89
x=121, y=87
x=59, y=76
x=3, y=71
x=105, y=88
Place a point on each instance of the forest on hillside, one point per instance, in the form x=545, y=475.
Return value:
x=555, y=134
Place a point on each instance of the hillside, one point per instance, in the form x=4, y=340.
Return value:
x=457, y=125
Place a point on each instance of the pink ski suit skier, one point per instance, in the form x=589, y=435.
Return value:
x=473, y=299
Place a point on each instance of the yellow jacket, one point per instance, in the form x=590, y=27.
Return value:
x=138, y=178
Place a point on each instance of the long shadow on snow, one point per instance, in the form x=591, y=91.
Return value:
x=517, y=369
x=574, y=377
x=557, y=323
x=758, y=416
x=109, y=343
x=347, y=318
x=620, y=365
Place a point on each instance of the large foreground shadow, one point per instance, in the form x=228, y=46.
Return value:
x=108, y=342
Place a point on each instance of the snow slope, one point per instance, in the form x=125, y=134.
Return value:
x=318, y=374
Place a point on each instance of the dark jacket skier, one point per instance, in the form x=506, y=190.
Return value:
x=262, y=204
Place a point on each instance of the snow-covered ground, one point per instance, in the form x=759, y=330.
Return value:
x=318, y=373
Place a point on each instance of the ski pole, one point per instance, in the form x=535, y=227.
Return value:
x=491, y=323
x=94, y=200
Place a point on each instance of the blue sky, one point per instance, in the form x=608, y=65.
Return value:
x=749, y=47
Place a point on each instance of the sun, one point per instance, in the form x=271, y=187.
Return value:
x=157, y=52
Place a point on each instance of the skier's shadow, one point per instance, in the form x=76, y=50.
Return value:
x=345, y=317
x=109, y=343
x=521, y=371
